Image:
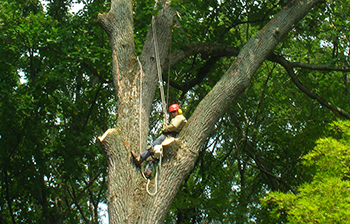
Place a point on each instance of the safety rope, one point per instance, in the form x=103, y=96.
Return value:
x=140, y=134
x=162, y=95
x=161, y=88
x=168, y=84
x=140, y=108
x=155, y=179
x=160, y=79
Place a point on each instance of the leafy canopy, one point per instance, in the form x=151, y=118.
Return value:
x=326, y=199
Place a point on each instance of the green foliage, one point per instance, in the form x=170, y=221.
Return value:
x=258, y=145
x=55, y=100
x=326, y=199
x=56, y=96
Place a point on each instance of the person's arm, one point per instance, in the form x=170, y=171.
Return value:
x=176, y=124
x=170, y=128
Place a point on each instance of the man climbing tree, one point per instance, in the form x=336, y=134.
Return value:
x=177, y=122
x=128, y=202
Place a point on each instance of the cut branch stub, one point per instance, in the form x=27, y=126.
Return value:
x=106, y=145
x=170, y=147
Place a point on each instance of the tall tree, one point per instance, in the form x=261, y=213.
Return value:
x=54, y=99
x=127, y=201
x=326, y=197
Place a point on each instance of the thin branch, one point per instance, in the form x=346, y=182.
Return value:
x=289, y=68
x=319, y=67
x=93, y=103
x=99, y=195
x=273, y=176
x=254, y=157
x=262, y=97
x=2, y=219
x=75, y=201
x=8, y=198
x=201, y=73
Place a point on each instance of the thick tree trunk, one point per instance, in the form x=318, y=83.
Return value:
x=128, y=201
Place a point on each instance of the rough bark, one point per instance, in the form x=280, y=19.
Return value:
x=128, y=201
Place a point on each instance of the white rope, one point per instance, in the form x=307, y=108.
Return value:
x=140, y=131
x=163, y=104
x=140, y=108
x=156, y=183
x=155, y=178
x=140, y=135
x=160, y=79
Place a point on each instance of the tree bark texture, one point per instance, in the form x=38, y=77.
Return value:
x=128, y=201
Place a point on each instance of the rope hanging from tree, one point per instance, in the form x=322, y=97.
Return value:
x=161, y=88
x=140, y=135
x=159, y=70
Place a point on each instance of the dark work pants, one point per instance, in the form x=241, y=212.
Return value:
x=145, y=154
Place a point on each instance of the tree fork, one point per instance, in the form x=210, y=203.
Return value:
x=128, y=204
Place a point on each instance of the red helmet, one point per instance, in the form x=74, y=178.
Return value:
x=174, y=107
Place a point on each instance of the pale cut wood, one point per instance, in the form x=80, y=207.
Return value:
x=168, y=141
x=101, y=138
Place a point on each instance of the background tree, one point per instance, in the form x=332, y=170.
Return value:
x=55, y=97
x=326, y=197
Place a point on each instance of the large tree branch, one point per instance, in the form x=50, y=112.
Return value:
x=213, y=50
x=212, y=107
x=219, y=50
x=206, y=49
x=238, y=76
x=118, y=24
